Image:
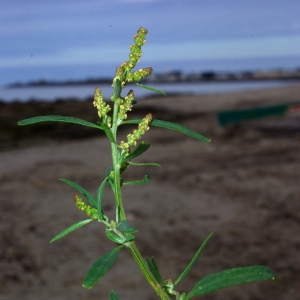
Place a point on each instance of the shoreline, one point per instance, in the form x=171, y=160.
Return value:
x=169, y=108
x=83, y=92
x=109, y=81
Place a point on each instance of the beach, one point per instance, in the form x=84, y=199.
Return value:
x=243, y=185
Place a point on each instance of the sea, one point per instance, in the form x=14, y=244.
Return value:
x=82, y=92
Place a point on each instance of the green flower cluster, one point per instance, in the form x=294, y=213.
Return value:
x=125, y=105
x=123, y=72
x=138, y=75
x=102, y=107
x=137, y=134
x=90, y=211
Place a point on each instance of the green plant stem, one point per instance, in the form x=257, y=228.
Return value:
x=148, y=275
x=120, y=214
x=117, y=187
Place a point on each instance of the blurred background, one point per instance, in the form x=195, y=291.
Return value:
x=230, y=70
x=188, y=40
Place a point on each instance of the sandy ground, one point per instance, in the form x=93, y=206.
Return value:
x=244, y=186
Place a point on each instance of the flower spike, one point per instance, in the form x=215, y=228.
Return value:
x=90, y=211
x=123, y=73
x=125, y=105
x=100, y=104
x=142, y=128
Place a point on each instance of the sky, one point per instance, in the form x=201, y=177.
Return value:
x=72, y=39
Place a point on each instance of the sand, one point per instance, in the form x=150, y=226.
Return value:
x=243, y=185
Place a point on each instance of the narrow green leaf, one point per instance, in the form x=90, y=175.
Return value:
x=114, y=237
x=70, y=229
x=113, y=296
x=146, y=180
x=154, y=270
x=118, y=239
x=55, y=118
x=144, y=164
x=81, y=190
x=154, y=264
x=128, y=238
x=172, y=126
x=190, y=265
x=100, y=198
x=125, y=227
x=150, y=88
x=141, y=148
x=220, y=280
x=100, y=267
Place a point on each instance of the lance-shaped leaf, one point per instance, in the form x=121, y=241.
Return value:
x=126, y=227
x=172, y=126
x=155, y=271
x=144, y=164
x=150, y=88
x=140, y=149
x=81, y=190
x=55, y=118
x=70, y=229
x=114, y=237
x=100, y=198
x=190, y=265
x=220, y=280
x=113, y=296
x=128, y=238
x=117, y=239
x=100, y=267
x=142, y=181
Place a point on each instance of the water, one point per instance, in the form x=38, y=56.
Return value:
x=25, y=94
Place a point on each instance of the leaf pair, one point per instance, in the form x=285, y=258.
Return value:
x=96, y=203
x=158, y=123
x=155, y=271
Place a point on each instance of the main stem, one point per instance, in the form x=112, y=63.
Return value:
x=121, y=213
x=147, y=273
